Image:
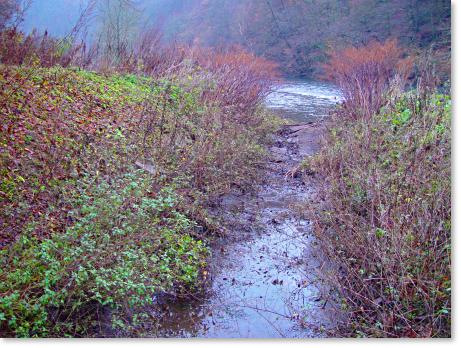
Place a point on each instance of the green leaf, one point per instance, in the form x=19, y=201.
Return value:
x=380, y=233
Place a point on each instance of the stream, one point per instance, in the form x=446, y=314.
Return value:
x=263, y=281
x=303, y=100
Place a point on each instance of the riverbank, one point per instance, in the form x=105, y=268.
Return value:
x=106, y=185
x=123, y=174
x=383, y=215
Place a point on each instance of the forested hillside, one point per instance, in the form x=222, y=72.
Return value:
x=297, y=34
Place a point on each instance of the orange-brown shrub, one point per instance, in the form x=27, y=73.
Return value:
x=242, y=79
x=365, y=74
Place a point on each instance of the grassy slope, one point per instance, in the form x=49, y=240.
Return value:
x=82, y=225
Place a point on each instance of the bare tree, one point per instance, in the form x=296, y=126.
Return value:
x=12, y=12
x=119, y=22
x=87, y=11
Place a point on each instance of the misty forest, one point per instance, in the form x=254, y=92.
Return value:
x=225, y=168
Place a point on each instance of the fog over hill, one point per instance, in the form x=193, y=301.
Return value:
x=59, y=16
x=297, y=33
x=56, y=16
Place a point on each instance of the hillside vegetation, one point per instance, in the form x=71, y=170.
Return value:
x=296, y=34
x=107, y=178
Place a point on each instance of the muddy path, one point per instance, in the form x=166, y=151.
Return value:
x=264, y=276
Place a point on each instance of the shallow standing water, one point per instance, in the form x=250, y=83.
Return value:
x=263, y=277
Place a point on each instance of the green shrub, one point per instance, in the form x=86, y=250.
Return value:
x=127, y=244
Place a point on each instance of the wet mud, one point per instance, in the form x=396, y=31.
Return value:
x=264, y=275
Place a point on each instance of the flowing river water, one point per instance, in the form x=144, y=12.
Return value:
x=263, y=277
x=303, y=100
